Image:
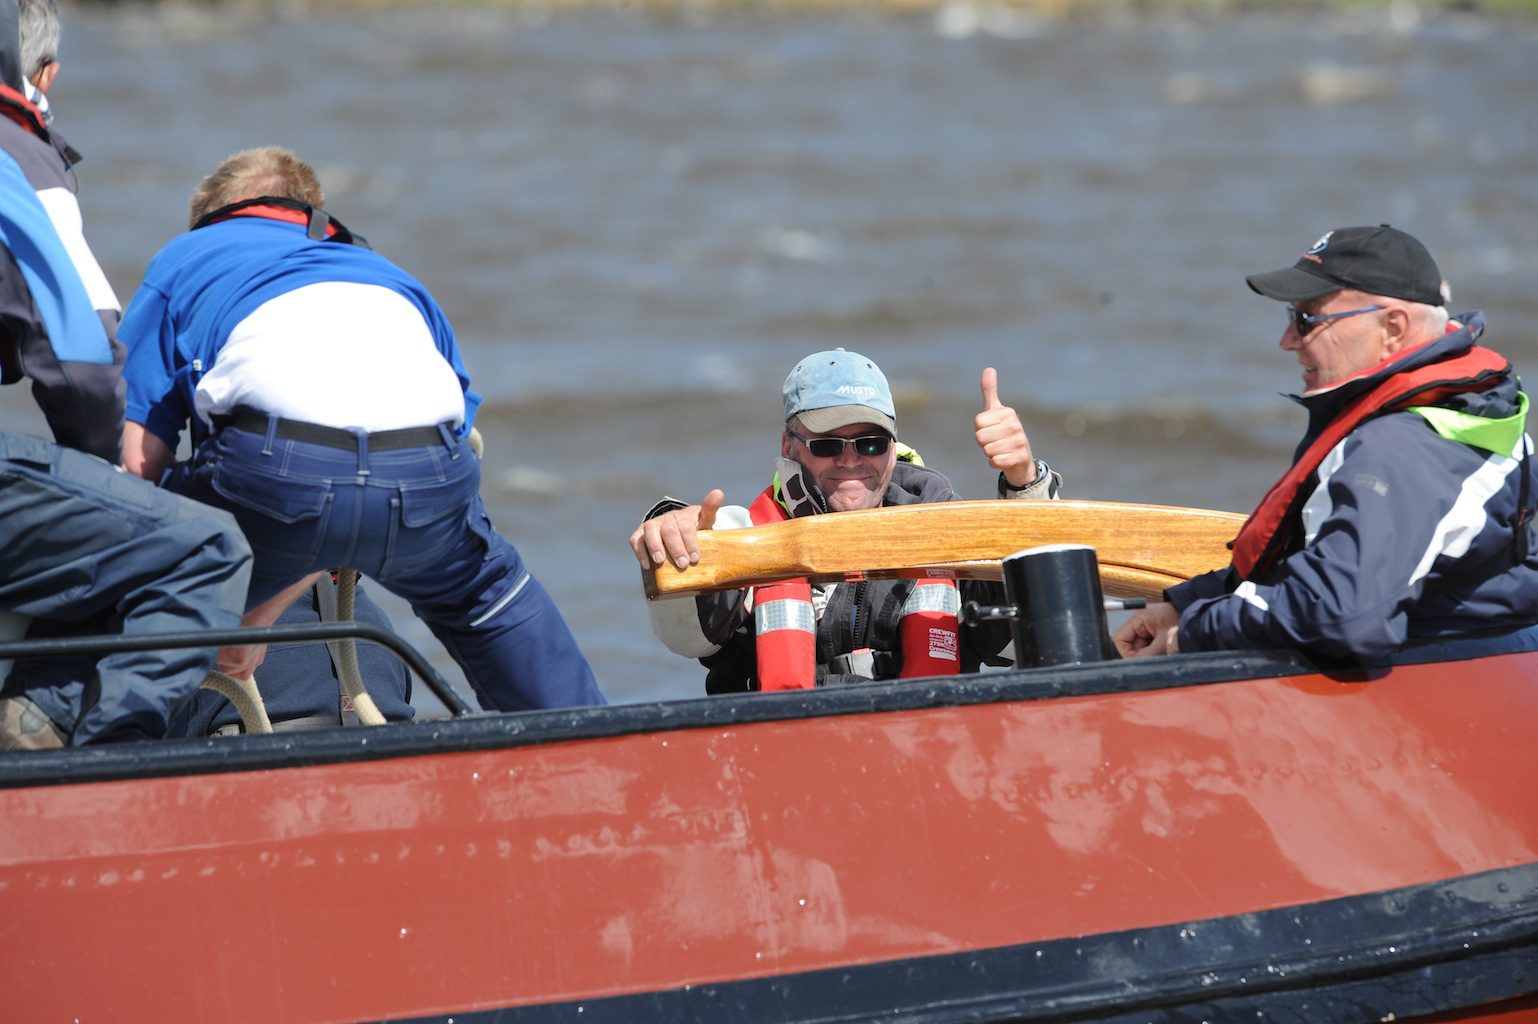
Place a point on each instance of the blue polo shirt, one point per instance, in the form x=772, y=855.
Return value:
x=205, y=282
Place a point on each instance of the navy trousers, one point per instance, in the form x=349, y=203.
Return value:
x=83, y=542
x=412, y=520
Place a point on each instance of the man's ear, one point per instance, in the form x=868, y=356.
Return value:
x=43, y=80
x=785, y=444
x=1397, y=323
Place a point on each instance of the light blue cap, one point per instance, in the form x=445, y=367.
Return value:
x=833, y=389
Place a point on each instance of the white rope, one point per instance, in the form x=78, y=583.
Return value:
x=346, y=651
x=244, y=695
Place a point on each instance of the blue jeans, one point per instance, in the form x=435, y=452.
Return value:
x=412, y=520
x=85, y=543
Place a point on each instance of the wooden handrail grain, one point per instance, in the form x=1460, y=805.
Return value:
x=1141, y=548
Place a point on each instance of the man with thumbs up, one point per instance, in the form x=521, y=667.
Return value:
x=839, y=452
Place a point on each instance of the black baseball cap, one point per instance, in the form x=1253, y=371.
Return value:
x=1377, y=260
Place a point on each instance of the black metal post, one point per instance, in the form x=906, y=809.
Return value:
x=1059, y=608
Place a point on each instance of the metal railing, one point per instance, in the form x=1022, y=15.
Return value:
x=111, y=643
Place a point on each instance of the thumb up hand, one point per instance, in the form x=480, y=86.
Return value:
x=1001, y=436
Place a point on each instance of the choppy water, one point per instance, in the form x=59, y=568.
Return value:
x=638, y=223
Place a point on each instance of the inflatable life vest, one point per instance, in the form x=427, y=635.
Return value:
x=785, y=623
x=24, y=112
x=318, y=224
x=16, y=107
x=1267, y=532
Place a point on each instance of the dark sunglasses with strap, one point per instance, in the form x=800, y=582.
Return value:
x=1304, y=323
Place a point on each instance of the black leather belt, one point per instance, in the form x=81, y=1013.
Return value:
x=305, y=724
x=252, y=422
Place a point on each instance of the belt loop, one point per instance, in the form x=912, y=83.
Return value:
x=449, y=440
x=362, y=436
x=272, y=434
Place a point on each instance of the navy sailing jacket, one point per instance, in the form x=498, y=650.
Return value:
x=1405, y=534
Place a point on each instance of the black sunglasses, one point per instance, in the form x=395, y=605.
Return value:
x=832, y=447
x=1304, y=323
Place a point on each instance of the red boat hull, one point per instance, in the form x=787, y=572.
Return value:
x=648, y=860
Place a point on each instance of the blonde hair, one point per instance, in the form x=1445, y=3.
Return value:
x=253, y=173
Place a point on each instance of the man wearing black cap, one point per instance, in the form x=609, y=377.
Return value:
x=1407, y=513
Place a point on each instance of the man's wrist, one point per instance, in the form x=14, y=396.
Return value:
x=1045, y=485
x=1036, y=474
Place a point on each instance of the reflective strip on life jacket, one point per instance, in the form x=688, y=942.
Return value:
x=786, y=629
x=930, y=630
x=784, y=623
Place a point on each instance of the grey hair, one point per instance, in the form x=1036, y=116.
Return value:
x=1432, y=319
x=38, y=27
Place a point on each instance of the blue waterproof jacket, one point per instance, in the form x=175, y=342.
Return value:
x=44, y=299
x=76, y=369
x=1408, y=532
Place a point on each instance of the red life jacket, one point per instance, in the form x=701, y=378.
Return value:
x=317, y=223
x=23, y=111
x=785, y=623
x=16, y=107
x=1267, y=532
